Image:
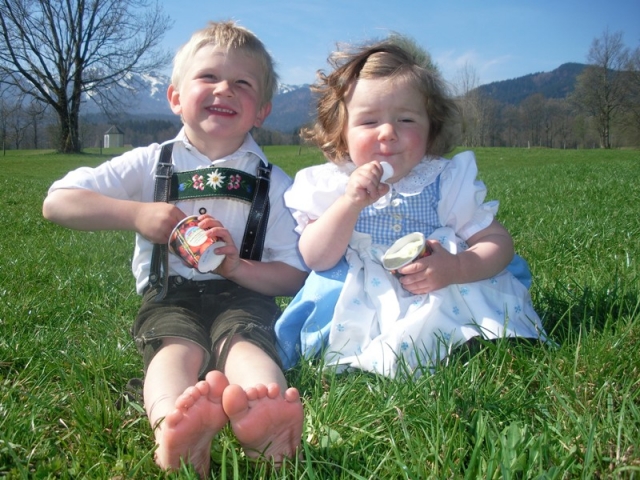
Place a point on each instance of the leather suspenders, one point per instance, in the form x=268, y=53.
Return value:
x=255, y=230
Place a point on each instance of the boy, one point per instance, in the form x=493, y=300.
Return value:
x=208, y=345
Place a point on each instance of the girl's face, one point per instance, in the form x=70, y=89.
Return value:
x=219, y=99
x=387, y=121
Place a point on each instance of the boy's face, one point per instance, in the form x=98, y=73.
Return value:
x=219, y=99
x=387, y=121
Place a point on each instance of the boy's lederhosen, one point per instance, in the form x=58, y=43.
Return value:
x=207, y=312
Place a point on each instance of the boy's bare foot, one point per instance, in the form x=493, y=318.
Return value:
x=187, y=432
x=265, y=422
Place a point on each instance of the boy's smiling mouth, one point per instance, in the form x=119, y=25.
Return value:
x=221, y=110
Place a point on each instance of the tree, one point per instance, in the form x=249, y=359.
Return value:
x=632, y=106
x=466, y=89
x=533, y=114
x=600, y=89
x=56, y=51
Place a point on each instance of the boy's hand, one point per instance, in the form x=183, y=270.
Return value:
x=155, y=221
x=215, y=229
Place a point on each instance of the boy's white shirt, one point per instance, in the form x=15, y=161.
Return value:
x=131, y=176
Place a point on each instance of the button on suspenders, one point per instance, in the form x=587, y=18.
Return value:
x=168, y=187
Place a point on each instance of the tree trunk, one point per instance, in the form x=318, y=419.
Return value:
x=69, y=114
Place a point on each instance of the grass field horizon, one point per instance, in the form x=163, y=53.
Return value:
x=67, y=302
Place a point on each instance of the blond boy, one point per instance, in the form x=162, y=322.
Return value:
x=208, y=345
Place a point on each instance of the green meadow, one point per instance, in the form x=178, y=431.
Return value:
x=572, y=410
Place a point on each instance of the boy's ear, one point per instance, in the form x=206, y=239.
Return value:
x=263, y=113
x=173, y=95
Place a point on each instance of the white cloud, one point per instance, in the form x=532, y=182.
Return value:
x=487, y=70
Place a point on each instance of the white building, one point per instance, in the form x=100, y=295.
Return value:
x=114, y=137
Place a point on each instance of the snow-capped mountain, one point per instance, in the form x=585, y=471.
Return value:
x=147, y=97
x=144, y=95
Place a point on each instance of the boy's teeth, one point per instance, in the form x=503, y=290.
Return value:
x=225, y=110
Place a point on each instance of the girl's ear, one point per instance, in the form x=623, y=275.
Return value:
x=173, y=95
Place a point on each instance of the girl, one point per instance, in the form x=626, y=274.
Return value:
x=385, y=105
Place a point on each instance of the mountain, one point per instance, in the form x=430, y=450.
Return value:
x=292, y=107
x=293, y=104
x=144, y=95
x=558, y=83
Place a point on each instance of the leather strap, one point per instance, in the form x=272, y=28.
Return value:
x=159, y=269
x=255, y=230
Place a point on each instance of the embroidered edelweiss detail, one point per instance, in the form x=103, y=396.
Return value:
x=215, y=179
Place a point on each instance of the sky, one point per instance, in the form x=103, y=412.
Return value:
x=493, y=39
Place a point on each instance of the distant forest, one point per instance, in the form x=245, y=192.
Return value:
x=594, y=105
x=536, y=110
x=139, y=132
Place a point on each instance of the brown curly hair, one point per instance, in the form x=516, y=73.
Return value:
x=396, y=57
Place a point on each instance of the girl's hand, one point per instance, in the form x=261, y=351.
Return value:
x=430, y=273
x=364, y=186
x=490, y=251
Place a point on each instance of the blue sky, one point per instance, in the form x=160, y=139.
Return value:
x=498, y=39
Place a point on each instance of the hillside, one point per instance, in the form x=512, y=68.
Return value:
x=291, y=109
x=293, y=105
x=294, y=108
x=558, y=83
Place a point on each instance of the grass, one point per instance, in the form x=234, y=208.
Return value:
x=67, y=302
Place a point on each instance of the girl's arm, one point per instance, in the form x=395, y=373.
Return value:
x=324, y=241
x=490, y=251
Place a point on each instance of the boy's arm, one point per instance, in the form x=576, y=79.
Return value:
x=82, y=209
x=268, y=278
x=275, y=278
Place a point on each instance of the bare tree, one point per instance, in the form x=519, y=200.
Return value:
x=36, y=112
x=58, y=50
x=7, y=111
x=600, y=89
x=532, y=113
x=465, y=86
x=632, y=106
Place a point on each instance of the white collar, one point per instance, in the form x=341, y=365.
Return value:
x=424, y=173
x=249, y=145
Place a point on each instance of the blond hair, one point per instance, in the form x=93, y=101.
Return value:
x=228, y=35
x=395, y=58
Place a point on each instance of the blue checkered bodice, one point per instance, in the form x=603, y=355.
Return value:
x=404, y=215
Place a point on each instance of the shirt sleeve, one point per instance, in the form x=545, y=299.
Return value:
x=127, y=177
x=313, y=191
x=462, y=203
x=281, y=243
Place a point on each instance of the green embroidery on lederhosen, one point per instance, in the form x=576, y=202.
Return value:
x=213, y=182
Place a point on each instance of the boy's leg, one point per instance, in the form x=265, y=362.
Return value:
x=185, y=414
x=265, y=415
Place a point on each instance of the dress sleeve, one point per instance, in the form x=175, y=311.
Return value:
x=462, y=203
x=313, y=191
